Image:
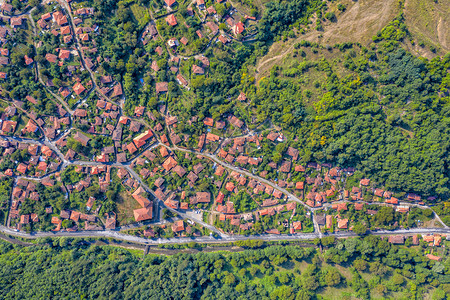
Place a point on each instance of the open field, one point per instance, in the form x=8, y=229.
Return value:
x=429, y=23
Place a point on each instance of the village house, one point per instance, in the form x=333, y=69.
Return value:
x=171, y=20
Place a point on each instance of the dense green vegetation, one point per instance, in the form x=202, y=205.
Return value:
x=5, y=190
x=362, y=268
x=385, y=116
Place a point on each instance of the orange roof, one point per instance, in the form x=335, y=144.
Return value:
x=42, y=166
x=392, y=201
x=32, y=149
x=28, y=60
x=84, y=37
x=428, y=238
x=63, y=54
x=131, y=148
x=9, y=126
x=138, y=195
x=163, y=151
x=22, y=168
x=123, y=120
x=178, y=226
x=212, y=137
x=78, y=88
x=172, y=203
x=365, y=182
x=208, y=121
x=220, y=197
x=169, y=164
x=46, y=151
x=434, y=257
x=359, y=206
x=238, y=28
x=170, y=2
x=55, y=220
x=229, y=186
x=299, y=185
x=143, y=137
x=171, y=20
x=30, y=127
x=142, y=214
x=329, y=221
x=242, y=97
x=90, y=202
x=65, y=30
x=75, y=216
x=342, y=206
x=342, y=224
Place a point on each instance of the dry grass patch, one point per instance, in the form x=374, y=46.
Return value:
x=429, y=22
x=125, y=206
x=358, y=23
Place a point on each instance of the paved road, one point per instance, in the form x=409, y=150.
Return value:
x=209, y=239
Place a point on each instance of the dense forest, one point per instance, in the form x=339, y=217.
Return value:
x=357, y=267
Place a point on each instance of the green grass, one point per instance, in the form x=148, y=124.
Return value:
x=141, y=15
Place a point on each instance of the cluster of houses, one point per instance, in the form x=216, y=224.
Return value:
x=16, y=23
x=26, y=189
x=178, y=227
x=431, y=240
x=127, y=135
x=207, y=141
x=209, y=31
x=170, y=167
x=225, y=209
x=51, y=126
x=334, y=177
x=245, y=221
x=109, y=87
x=42, y=160
x=58, y=24
x=210, y=18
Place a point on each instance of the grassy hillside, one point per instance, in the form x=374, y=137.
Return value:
x=358, y=21
x=429, y=23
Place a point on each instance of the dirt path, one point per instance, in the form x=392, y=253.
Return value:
x=358, y=24
x=442, y=34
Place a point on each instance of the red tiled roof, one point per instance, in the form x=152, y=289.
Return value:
x=169, y=164
x=78, y=88
x=238, y=28
x=28, y=60
x=142, y=214
x=171, y=20
x=51, y=58
x=162, y=87
x=170, y=2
